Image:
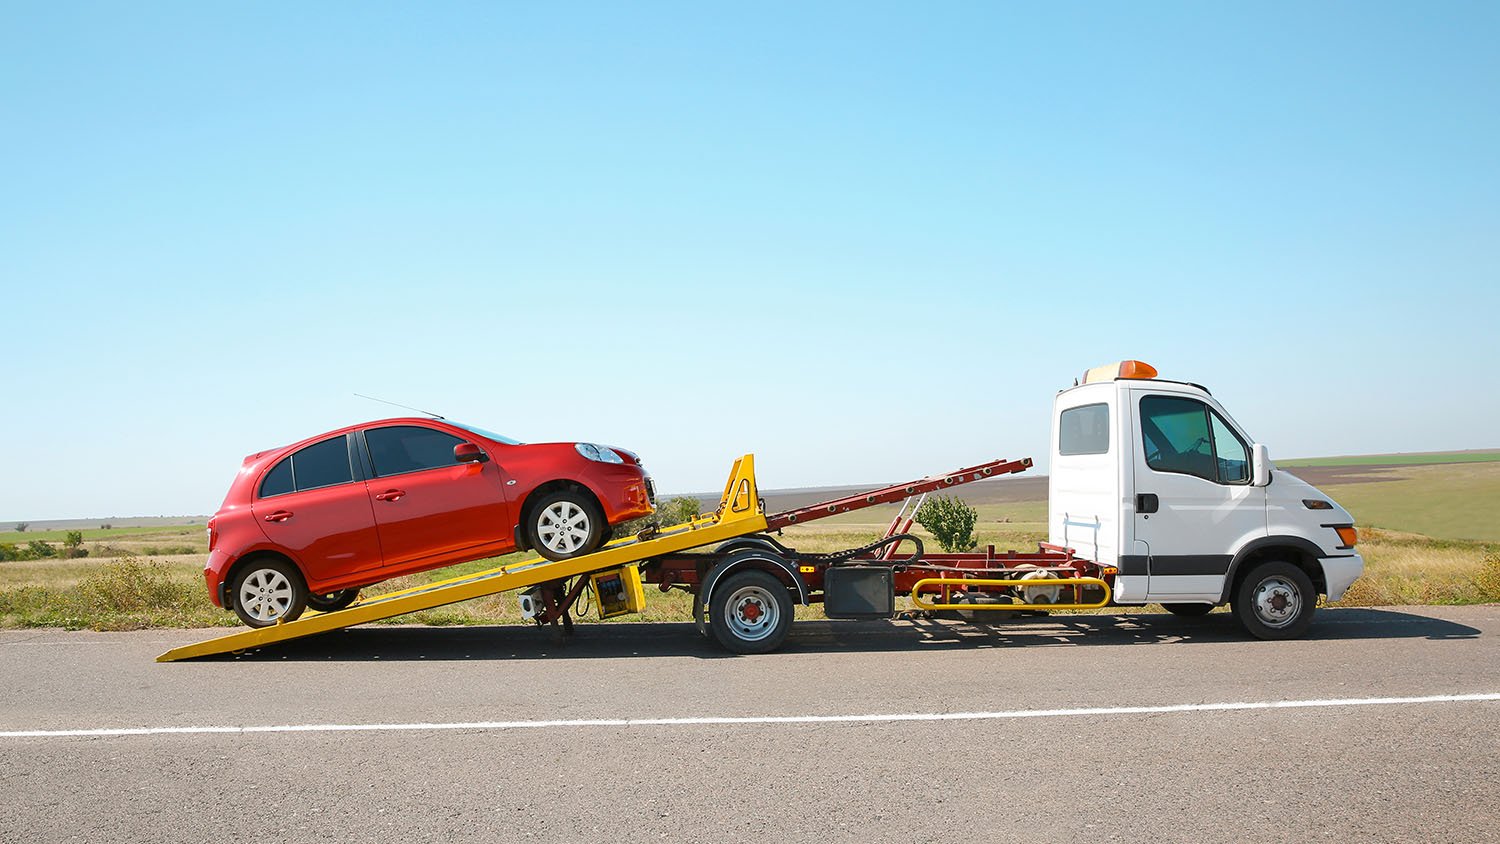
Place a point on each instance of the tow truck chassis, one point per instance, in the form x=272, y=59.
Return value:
x=744, y=580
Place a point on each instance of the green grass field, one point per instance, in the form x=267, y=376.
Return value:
x=1430, y=534
x=1419, y=458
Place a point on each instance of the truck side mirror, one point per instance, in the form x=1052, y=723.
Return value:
x=1260, y=465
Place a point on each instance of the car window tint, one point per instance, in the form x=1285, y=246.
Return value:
x=1176, y=436
x=322, y=464
x=1232, y=455
x=278, y=481
x=1084, y=430
x=407, y=448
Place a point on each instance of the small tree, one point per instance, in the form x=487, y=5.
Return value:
x=73, y=545
x=40, y=550
x=22, y=526
x=951, y=521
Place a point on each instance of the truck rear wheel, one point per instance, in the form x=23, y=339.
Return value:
x=333, y=601
x=1188, y=610
x=1275, y=600
x=750, y=612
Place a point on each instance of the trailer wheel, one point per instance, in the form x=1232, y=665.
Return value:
x=1188, y=610
x=750, y=612
x=1275, y=601
x=268, y=591
x=565, y=524
x=333, y=601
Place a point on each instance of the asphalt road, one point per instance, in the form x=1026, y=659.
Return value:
x=349, y=759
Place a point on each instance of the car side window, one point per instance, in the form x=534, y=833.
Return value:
x=1184, y=436
x=278, y=481
x=321, y=464
x=399, y=449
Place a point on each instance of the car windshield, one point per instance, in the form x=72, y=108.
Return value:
x=499, y=438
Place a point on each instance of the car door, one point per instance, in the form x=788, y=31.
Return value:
x=1194, y=502
x=427, y=504
x=313, y=504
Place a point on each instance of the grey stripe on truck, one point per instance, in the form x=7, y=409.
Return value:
x=1174, y=564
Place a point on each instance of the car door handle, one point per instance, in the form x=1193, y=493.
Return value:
x=279, y=516
x=1146, y=502
x=389, y=495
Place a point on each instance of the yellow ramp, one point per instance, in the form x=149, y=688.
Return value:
x=739, y=513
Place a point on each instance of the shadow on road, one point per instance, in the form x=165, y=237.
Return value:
x=594, y=641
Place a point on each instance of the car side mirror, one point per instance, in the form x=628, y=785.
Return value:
x=469, y=453
x=1260, y=465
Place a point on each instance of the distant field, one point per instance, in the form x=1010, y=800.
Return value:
x=1418, y=458
x=1453, y=501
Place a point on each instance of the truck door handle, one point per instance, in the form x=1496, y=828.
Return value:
x=1146, y=502
x=279, y=516
x=389, y=495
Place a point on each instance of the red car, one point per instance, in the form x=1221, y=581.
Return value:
x=309, y=524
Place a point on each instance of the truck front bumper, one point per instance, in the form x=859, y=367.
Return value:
x=1339, y=572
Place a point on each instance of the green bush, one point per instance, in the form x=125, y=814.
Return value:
x=674, y=511
x=951, y=521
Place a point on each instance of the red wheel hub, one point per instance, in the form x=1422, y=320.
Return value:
x=750, y=611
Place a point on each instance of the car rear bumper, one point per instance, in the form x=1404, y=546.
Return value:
x=213, y=575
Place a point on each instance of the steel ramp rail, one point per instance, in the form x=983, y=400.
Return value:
x=740, y=513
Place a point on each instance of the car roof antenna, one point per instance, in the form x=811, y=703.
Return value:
x=402, y=406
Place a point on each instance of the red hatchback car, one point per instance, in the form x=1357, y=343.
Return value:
x=309, y=524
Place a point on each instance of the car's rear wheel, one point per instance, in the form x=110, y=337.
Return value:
x=268, y=591
x=332, y=601
x=565, y=524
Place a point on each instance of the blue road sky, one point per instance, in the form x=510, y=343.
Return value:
x=864, y=241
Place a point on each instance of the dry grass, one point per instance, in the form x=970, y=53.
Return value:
x=132, y=592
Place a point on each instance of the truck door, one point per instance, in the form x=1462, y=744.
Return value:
x=1193, y=500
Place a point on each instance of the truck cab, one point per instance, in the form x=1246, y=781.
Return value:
x=1155, y=478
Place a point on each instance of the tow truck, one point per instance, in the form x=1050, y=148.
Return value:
x=1156, y=495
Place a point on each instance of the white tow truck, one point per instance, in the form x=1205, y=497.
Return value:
x=1157, y=496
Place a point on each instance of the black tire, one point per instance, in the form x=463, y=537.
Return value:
x=267, y=591
x=1188, y=610
x=565, y=524
x=333, y=601
x=1275, y=600
x=750, y=612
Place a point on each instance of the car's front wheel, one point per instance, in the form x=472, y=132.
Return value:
x=565, y=524
x=268, y=591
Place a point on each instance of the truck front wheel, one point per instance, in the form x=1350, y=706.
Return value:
x=1275, y=600
x=750, y=612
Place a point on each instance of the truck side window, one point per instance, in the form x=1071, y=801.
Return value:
x=1184, y=436
x=1233, y=457
x=1083, y=430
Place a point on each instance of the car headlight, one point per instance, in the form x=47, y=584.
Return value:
x=598, y=453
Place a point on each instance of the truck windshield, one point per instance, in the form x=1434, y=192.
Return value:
x=499, y=438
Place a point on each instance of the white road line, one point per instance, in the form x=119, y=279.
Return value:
x=761, y=719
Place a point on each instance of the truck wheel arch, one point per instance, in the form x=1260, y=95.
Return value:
x=755, y=557
x=1296, y=550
